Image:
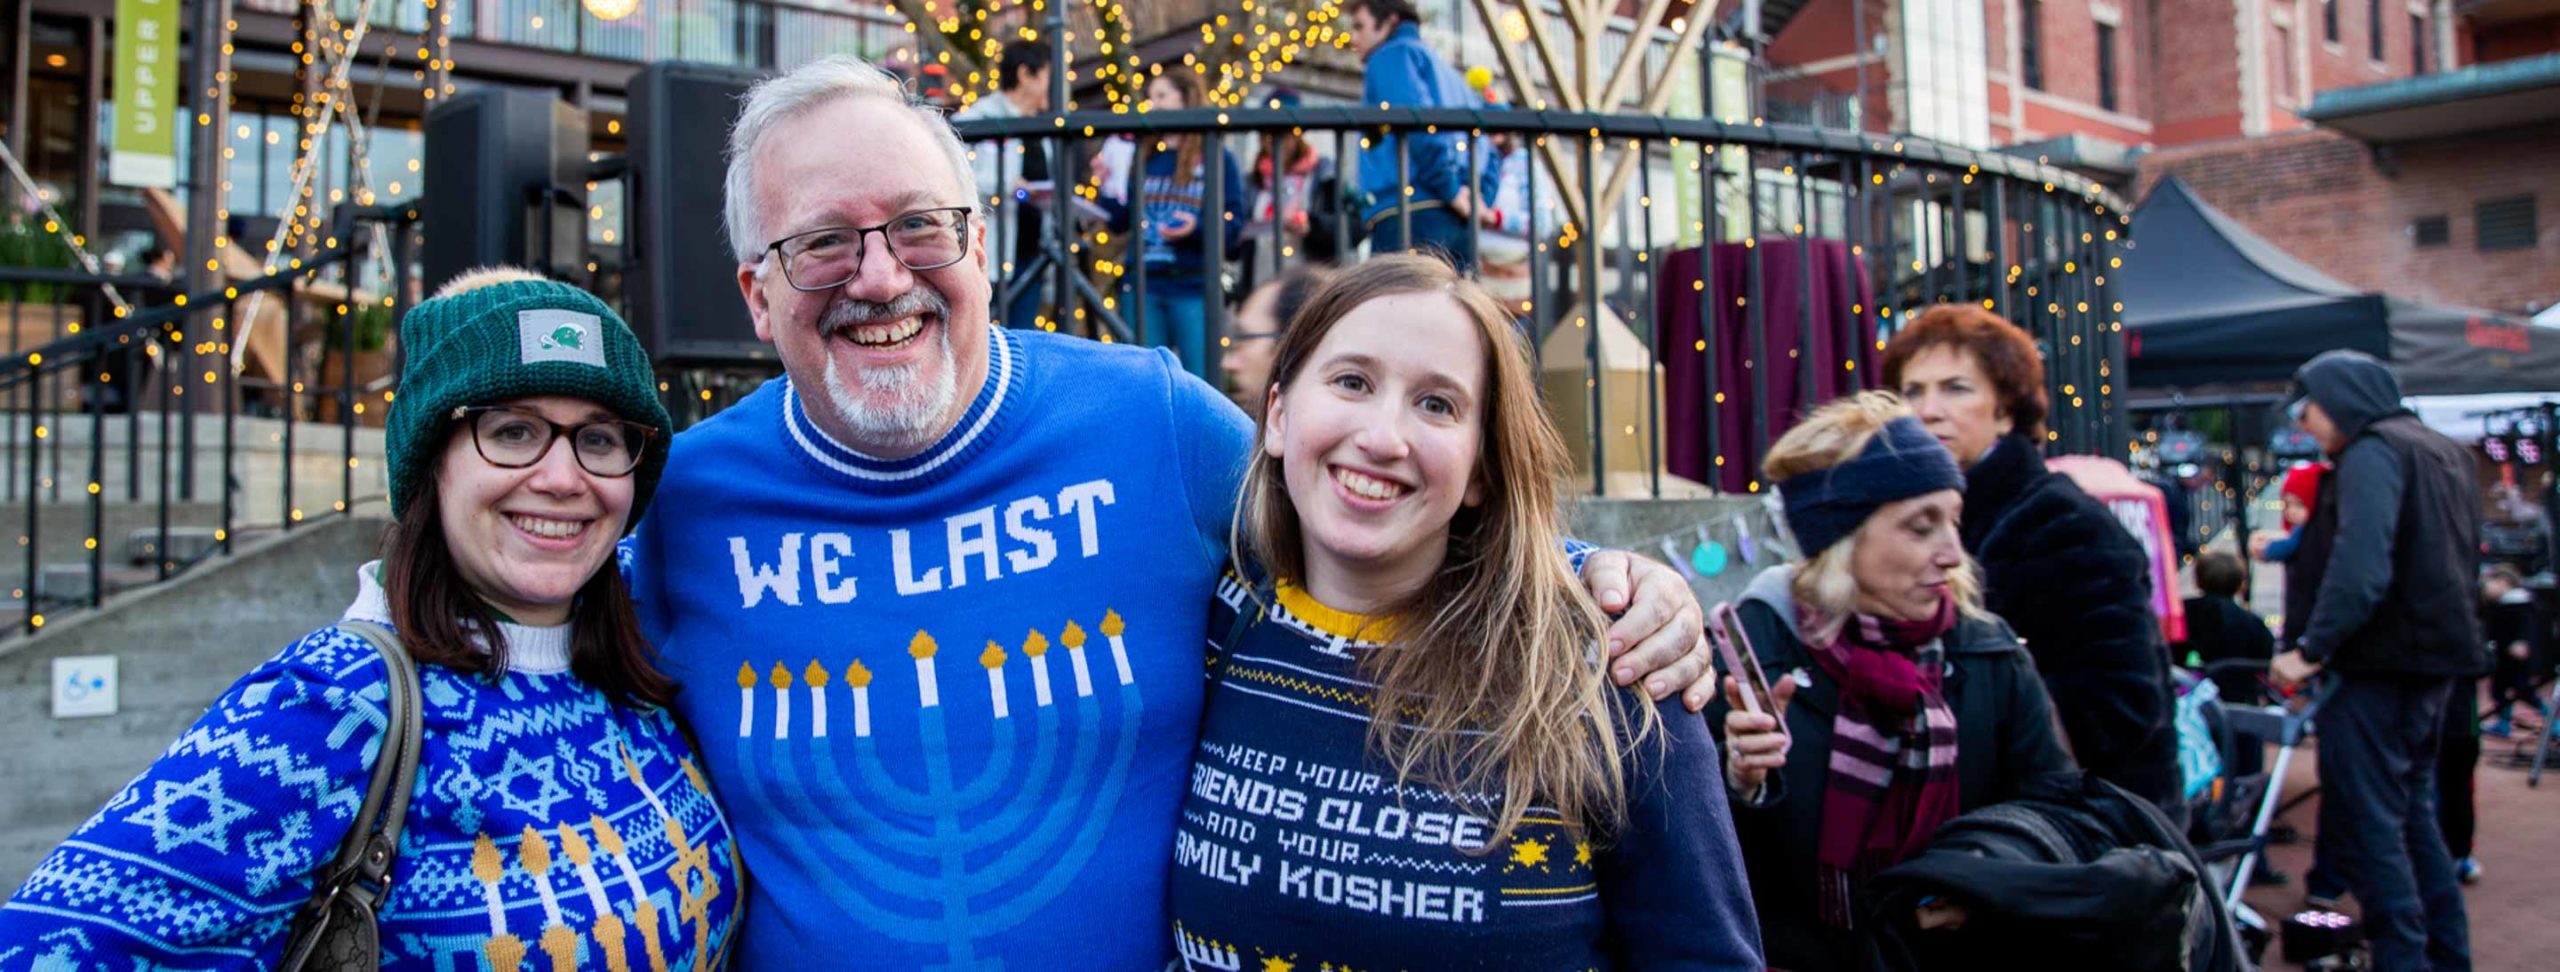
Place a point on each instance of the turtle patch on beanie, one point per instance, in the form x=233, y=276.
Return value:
x=552, y=334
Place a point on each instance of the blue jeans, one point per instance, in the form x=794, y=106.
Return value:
x=1175, y=316
x=2378, y=742
x=1436, y=230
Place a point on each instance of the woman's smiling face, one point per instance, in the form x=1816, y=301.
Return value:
x=1378, y=437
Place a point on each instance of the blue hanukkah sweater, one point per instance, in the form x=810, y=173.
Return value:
x=1298, y=849
x=950, y=701
x=548, y=826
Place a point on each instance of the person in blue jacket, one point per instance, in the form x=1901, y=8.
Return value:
x=1170, y=240
x=1403, y=72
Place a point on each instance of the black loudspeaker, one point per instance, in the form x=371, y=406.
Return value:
x=506, y=182
x=683, y=281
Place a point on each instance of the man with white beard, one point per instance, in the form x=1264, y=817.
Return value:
x=962, y=591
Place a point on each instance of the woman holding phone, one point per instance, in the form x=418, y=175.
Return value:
x=1898, y=705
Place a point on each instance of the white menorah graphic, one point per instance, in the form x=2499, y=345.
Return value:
x=943, y=862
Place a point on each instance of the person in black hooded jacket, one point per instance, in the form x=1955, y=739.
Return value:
x=2394, y=621
x=2057, y=565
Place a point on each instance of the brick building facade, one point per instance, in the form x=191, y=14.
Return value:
x=2406, y=221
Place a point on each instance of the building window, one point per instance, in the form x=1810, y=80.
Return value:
x=2373, y=27
x=2507, y=224
x=2107, y=67
x=2329, y=20
x=2031, y=43
x=2417, y=43
x=2431, y=230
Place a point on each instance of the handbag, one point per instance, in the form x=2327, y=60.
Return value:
x=336, y=929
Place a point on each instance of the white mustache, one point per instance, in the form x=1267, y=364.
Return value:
x=854, y=312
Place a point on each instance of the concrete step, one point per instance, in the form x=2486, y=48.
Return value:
x=69, y=583
x=187, y=544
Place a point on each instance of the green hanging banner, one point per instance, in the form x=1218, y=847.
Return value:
x=144, y=151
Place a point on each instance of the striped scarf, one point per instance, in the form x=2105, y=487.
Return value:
x=1893, y=751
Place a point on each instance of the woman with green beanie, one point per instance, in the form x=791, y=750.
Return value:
x=555, y=816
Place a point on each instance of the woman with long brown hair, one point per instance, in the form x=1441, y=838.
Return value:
x=1169, y=240
x=1410, y=756
x=555, y=806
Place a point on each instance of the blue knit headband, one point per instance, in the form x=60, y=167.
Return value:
x=1902, y=461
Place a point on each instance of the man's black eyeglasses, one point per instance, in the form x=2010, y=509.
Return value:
x=824, y=259
x=513, y=438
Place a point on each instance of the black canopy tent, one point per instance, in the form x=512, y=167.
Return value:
x=2209, y=303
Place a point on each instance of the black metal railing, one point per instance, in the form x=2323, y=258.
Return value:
x=159, y=368
x=1883, y=226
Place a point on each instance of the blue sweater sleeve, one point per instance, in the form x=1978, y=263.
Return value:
x=202, y=861
x=1672, y=878
x=1212, y=440
x=2282, y=549
x=2359, y=568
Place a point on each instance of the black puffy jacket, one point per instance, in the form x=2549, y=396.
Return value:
x=2064, y=572
x=2074, y=873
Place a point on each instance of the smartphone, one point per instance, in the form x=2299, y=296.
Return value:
x=1724, y=627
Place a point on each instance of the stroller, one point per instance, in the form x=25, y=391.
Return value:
x=2232, y=818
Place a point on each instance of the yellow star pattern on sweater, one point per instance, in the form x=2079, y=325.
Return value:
x=1529, y=853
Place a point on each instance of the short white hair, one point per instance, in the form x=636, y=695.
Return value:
x=775, y=100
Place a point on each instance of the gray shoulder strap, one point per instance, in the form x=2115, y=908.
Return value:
x=366, y=854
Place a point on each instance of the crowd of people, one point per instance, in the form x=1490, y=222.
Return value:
x=1308, y=677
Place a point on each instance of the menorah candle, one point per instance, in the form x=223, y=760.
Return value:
x=505, y=952
x=558, y=941
x=993, y=658
x=746, y=699
x=607, y=928
x=858, y=678
x=1073, y=638
x=816, y=678
x=928, y=692
x=1111, y=628
x=1038, y=648
x=781, y=701
x=643, y=909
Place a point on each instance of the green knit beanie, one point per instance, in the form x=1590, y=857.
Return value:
x=511, y=340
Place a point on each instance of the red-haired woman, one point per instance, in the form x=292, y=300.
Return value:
x=2056, y=563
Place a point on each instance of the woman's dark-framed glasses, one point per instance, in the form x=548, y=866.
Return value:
x=824, y=259
x=513, y=438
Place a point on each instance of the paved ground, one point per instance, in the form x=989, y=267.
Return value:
x=2515, y=926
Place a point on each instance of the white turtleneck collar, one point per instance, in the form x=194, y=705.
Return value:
x=530, y=649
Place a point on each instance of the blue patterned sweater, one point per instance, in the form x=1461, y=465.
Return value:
x=1299, y=850
x=548, y=828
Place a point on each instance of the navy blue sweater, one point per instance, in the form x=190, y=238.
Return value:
x=1297, y=848
x=1169, y=193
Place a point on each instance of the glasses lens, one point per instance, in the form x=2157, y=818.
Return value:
x=611, y=448
x=822, y=259
x=927, y=240
x=510, y=438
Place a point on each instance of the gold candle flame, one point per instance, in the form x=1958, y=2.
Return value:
x=1036, y=645
x=922, y=647
x=781, y=676
x=993, y=657
x=746, y=675
x=857, y=676
x=814, y=675
x=1111, y=626
x=1073, y=637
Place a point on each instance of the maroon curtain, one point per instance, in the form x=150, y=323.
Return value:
x=1839, y=335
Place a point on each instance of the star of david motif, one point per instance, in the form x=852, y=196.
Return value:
x=173, y=826
x=547, y=789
